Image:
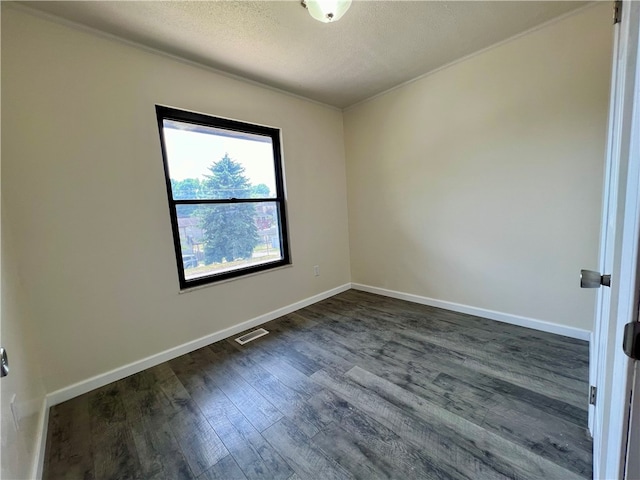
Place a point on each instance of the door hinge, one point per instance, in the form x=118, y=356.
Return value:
x=617, y=11
x=631, y=340
x=592, y=395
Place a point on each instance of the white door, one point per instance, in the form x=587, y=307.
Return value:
x=611, y=370
x=633, y=449
x=597, y=349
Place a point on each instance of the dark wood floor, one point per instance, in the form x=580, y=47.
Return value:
x=356, y=386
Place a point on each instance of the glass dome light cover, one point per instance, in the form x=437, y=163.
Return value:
x=327, y=10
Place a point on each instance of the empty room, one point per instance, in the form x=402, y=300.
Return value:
x=318, y=240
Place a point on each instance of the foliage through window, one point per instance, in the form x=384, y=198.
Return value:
x=226, y=195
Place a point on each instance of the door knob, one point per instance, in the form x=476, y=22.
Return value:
x=591, y=279
x=4, y=363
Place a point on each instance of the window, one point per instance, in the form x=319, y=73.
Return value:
x=226, y=196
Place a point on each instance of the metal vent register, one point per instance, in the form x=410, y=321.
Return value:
x=247, y=337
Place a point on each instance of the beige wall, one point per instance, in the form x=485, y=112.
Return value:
x=481, y=184
x=84, y=192
x=24, y=384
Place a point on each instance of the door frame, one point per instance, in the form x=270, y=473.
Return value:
x=615, y=381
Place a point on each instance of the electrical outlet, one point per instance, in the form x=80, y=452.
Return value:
x=316, y=270
x=14, y=412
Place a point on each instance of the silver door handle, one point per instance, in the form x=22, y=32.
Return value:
x=4, y=363
x=591, y=279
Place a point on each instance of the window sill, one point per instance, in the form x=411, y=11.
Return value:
x=233, y=279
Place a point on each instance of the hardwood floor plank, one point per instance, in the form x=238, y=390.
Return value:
x=69, y=449
x=287, y=401
x=202, y=449
x=188, y=369
x=452, y=366
x=288, y=375
x=458, y=457
x=277, y=466
x=354, y=386
x=339, y=445
x=200, y=445
x=551, y=436
x=139, y=396
x=106, y=408
x=306, y=460
x=220, y=412
x=212, y=401
x=568, y=449
x=386, y=451
x=521, y=374
x=171, y=395
x=530, y=347
x=416, y=376
x=159, y=453
x=283, y=349
x=225, y=469
x=468, y=435
x=115, y=456
x=418, y=316
x=245, y=454
x=258, y=410
x=492, y=359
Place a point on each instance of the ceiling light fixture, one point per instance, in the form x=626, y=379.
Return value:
x=326, y=10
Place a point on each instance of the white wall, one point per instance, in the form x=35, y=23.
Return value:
x=84, y=192
x=481, y=183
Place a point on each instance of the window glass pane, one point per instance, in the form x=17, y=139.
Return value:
x=214, y=163
x=231, y=162
x=225, y=237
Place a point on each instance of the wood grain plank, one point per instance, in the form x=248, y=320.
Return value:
x=535, y=348
x=386, y=452
x=521, y=370
x=225, y=469
x=338, y=444
x=458, y=457
x=277, y=466
x=287, y=401
x=245, y=454
x=139, y=396
x=258, y=410
x=287, y=374
x=106, y=408
x=69, y=451
x=551, y=436
x=115, y=456
x=495, y=451
x=455, y=366
x=159, y=453
x=199, y=443
x=522, y=373
x=358, y=385
x=306, y=460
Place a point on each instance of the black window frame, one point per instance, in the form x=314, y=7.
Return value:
x=185, y=116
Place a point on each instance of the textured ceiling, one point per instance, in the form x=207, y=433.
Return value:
x=375, y=46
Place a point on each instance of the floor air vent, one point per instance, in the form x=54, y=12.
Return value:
x=247, y=337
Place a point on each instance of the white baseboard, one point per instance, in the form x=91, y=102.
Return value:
x=533, y=323
x=98, y=381
x=41, y=440
x=119, y=373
